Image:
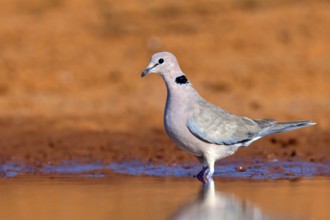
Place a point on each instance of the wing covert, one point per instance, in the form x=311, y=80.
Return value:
x=214, y=125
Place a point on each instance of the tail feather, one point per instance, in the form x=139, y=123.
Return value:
x=285, y=126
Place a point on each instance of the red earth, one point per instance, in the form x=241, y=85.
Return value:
x=70, y=86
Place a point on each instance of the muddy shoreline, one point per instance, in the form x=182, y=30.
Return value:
x=35, y=141
x=33, y=146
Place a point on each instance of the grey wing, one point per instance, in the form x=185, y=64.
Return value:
x=214, y=125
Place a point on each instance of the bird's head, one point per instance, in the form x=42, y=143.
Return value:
x=166, y=65
x=163, y=63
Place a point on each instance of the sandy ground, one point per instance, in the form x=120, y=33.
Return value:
x=70, y=86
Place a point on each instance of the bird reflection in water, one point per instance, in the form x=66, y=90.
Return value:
x=211, y=204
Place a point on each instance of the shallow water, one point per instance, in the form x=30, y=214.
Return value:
x=228, y=169
x=136, y=197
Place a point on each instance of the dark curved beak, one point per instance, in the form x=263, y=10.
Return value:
x=145, y=72
x=148, y=70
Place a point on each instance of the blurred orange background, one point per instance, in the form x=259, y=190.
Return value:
x=70, y=85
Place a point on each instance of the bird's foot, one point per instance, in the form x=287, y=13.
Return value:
x=205, y=176
x=200, y=175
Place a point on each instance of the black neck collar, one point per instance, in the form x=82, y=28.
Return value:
x=181, y=80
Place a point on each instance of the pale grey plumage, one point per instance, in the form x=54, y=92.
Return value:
x=217, y=126
x=214, y=125
x=201, y=128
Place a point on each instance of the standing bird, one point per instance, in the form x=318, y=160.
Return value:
x=202, y=128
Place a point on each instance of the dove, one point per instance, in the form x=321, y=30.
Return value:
x=203, y=129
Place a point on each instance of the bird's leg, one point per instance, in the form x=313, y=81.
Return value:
x=200, y=175
x=208, y=174
x=205, y=176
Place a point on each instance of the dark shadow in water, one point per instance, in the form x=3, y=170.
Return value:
x=211, y=204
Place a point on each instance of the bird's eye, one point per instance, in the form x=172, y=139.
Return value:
x=161, y=60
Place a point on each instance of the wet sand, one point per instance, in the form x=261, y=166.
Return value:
x=226, y=169
x=161, y=198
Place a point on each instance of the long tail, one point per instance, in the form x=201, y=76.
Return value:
x=285, y=126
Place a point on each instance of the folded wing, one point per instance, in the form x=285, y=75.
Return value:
x=214, y=125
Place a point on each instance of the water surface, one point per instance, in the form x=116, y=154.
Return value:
x=136, y=197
